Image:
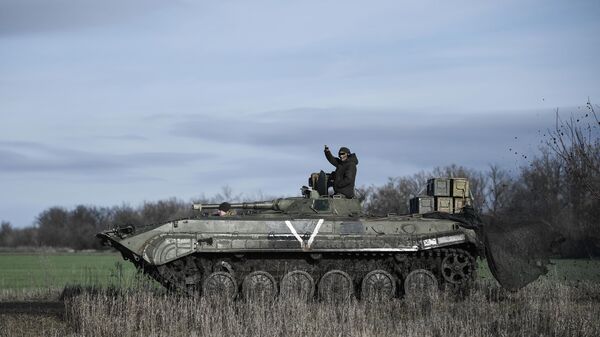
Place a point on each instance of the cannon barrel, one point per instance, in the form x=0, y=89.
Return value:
x=273, y=205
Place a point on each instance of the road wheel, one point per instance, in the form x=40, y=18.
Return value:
x=220, y=285
x=297, y=284
x=378, y=285
x=420, y=282
x=259, y=286
x=336, y=286
x=458, y=268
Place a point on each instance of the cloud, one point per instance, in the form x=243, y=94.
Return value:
x=421, y=138
x=32, y=157
x=125, y=137
x=33, y=16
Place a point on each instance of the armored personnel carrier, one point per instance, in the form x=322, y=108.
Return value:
x=313, y=246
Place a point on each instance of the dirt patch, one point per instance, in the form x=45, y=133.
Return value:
x=32, y=319
x=32, y=325
x=56, y=309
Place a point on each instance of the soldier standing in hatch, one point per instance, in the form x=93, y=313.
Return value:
x=345, y=171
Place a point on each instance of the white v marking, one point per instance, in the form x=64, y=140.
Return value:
x=305, y=245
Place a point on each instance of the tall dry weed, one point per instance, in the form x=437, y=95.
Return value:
x=545, y=308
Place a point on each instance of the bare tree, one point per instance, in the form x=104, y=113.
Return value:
x=124, y=215
x=6, y=234
x=164, y=210
x=576, y=141
x=53, y=227
x=226, y=195
x=392, y=197
x=498, y=192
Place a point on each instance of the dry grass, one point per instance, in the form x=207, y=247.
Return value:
x=544, y=308
x=27, y=325
x=31, y=294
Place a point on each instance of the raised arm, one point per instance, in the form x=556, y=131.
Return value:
x=333, y=160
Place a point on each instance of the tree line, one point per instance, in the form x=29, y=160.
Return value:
x=76, y=228
x=559, y=188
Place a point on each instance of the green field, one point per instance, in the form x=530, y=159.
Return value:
x=574, y=270
x=23, y=271
x=560, y=270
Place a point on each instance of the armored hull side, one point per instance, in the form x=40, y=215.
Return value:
x=302, y=255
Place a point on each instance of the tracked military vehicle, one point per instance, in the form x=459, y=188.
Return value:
x=313, y=246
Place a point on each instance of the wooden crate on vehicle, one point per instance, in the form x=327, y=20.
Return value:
x=421, y=205
x=444, y=204
x=438, y=187
x=460, y=187
x=459, y=203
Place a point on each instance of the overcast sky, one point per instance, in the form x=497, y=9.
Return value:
x=113, y=101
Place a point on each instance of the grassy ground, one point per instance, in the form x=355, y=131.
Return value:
x=545, y=308
x=559, y=269
x=576, y=270
x=44, y=271
x=34, y=276
x=566, y=302
x=27, y=271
